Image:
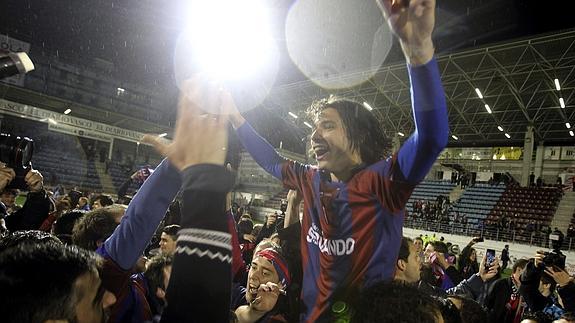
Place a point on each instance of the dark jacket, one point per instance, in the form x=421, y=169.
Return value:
x=496, y=300
x=32, y=214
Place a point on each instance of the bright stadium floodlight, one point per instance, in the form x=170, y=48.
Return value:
x=367, y=106
x=231, y=39
x=562, y=103
x=67, y=111
x=568, y=125
x=571, y=133
x=401, y=134
x=507, y=135
x=454, y=137
x=500, y=128
x=557, y=86
x=308, y=125
x=488, y=109
x=293, y=115
x=478, y=93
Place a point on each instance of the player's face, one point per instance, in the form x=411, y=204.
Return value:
x=413, y=265
x=261, y=272
x=330, y=144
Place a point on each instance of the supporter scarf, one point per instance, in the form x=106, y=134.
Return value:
x=279, y=264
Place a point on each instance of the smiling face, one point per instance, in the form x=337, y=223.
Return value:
x=330, y=144
x=261, y=271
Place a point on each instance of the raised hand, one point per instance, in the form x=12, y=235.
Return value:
x=199, y=138
x=7, y=175
x=412, y=21
x=34, y=180
x=487, y=274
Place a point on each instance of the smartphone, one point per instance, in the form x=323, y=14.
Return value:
x=490, y=258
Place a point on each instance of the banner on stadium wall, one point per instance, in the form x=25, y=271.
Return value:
x=552, y=153
x=34, y=113
x=62, y=128
x=567, y=153
x=10, y=44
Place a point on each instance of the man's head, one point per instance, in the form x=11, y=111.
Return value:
x=158, y=272
x=517, y=270
x=345, y=134
x=64, y=226
x=408, y=266
x=102, y=201
x=96, y=226
x=268, y=265
x=33, y=237
x=8, y=197
x=388, y=301
x=168, y=239
x=418, y=242
x=434, y=246
x=82, y=201
x=52, y=282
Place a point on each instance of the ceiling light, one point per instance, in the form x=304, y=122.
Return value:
x=562, y=103
x=307, y=124
x=162, y=135
x=52, y=121
x=454, y=137
x=507, y=135
x=500, y=128
x=488, y=109
x=67, y=111
x=292, y=114
x=401, y=134
x=571, y=133
x=568, y=125
x=478, y=93
x=367, y=106
x=557, y=86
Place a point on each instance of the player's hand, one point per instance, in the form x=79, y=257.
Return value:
x=34, y=180
x=487, y=274
x=199, y=138
x=7, y=175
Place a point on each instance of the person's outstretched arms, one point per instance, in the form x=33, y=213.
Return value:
x=201, y=279
x=414, y=25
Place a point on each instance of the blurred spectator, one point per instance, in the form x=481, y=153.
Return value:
x=168, y=239
x=102, y=201
x=503, y=299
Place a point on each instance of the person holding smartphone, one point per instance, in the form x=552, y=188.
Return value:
x=468, y=264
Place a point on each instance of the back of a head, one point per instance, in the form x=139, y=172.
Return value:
x=65, y=223
x=105, y=200
x=94, y=228
x=38, y=281
x=26, y=237
x=519, y=264
x=154, y=272
x=363, y=130
x=396, y=302
x=439, y=246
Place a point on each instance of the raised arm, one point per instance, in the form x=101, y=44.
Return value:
x=413, y=24
x=261, y=151
x=145, y=212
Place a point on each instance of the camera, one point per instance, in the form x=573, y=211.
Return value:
x=16, y=152
x=15, y=63
x=554, y=258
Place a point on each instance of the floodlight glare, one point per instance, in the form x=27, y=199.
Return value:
x=562, y=103
x=571, y=133
x=293, y=115
x=367, y=106
x=488, y=109
x=557, y=86
x=455, y=137
x=507, y=135
x=500, y=128
x=401, y=134
x=568, y=125
x=231, y=39
x=308, y=125
x=478, y=93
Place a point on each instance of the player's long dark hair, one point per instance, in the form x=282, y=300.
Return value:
x=363, y=130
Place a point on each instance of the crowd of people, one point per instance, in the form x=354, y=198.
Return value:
x=180, y=250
